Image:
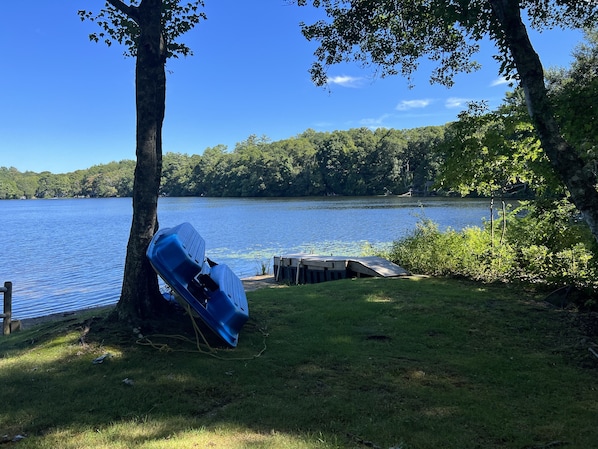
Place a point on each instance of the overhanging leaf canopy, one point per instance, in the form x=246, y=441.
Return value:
x=118, y=23
x=394, y=35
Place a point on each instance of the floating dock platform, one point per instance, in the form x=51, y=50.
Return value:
x=312, y=269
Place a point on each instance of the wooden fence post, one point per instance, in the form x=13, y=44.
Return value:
x=7, y=315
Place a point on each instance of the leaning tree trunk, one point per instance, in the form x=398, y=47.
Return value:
x=577, y=176
x=140, y=296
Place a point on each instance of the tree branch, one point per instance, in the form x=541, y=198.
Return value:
x=131, y=11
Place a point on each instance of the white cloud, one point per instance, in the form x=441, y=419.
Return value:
x=345, y=81
x=374, y=122
x=455, y=102
x=412, y=104
x=499, y=81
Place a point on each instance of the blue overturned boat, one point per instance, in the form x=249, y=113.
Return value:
x=212, y=291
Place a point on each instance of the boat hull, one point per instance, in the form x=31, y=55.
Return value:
x=212, y=291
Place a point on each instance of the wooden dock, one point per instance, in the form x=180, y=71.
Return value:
x=312, y=269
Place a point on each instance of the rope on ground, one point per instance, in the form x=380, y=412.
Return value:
x=200, y=342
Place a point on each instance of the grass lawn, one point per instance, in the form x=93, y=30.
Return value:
x=370, y=363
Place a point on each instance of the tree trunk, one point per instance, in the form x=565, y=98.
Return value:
x=577, y=176
x=140, y=297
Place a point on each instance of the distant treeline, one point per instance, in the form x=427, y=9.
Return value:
x=354, y=162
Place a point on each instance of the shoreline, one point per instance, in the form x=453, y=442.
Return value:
x=250, y=284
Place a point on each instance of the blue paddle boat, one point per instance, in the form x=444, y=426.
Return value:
x=212, y=291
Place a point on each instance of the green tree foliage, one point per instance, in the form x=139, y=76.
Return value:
x=494, y=154
x=351, y=163
x=210, y=172
x=114, y=179
x=56, y=186
x=109, y=180
x=394, y=36
x=177, y=171
x=8, y=185
x=574, y=92
x=120, y=22
x=420, y=159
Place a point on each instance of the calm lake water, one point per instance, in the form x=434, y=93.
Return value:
x=68, y=254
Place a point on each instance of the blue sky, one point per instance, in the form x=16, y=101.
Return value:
x=68, y=104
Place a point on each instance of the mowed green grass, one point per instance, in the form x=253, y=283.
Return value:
x=379, y=363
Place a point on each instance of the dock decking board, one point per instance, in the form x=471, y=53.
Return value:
x=310, y=268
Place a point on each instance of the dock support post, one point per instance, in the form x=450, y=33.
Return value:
x=7, y=315
x=279, y=268
x=298, y=269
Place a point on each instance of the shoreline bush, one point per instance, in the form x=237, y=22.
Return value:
x=545, y=245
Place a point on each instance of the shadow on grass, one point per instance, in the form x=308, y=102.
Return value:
x=388, y=363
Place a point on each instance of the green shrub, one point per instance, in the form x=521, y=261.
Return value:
x=571, y=266
x=554, y=224
x=545, y=244
x=553, y=245
x=467, y=253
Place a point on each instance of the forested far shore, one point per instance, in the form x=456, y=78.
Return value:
x=484, y=152
x=354, y=162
